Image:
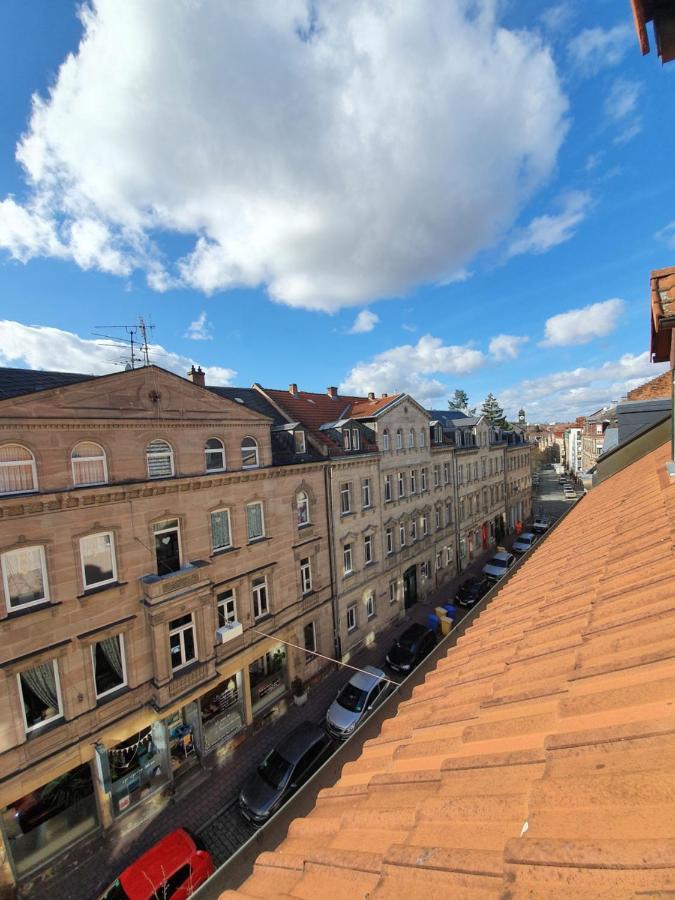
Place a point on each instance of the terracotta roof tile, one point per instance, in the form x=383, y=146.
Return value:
x=656, y=389
x=538, y=758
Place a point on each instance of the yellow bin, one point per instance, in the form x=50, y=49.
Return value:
x=446, y=625
x=440, y=612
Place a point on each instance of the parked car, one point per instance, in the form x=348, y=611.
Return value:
x=524, y=542
x=541, y=524
x=410, y=648
x=283, y=771
x=363, y=691
x=499, y=565
x=175, y=867
x=570, y=493
x=472, y=590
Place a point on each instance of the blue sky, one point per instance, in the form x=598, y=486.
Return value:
x=419, y=201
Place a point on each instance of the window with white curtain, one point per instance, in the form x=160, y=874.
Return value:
x=221, y=537
x=40, y=694
x=159, y=456
x=182, y=645
x=214, y=455
x=24, y=577
x=255, y=521
x=97, y=555
x=89, y=463
x=110, y=671
x=18, y=473
x=302, y=506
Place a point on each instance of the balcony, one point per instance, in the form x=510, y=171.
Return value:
x=157, y=588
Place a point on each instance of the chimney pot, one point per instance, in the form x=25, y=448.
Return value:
x=332, y=391
x=371, y=396
x=384, y=396
x=293, y=389
x=196, y=376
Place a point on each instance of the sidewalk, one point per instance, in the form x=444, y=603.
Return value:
x=96, y=862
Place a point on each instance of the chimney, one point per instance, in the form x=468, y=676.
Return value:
x=293, y=389
x=384, y=396
x=371, y=396
x=197, y=376
x=332, y=391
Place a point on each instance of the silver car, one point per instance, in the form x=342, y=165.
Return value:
x=524, y=542
x=355, y=701
x=499, y=565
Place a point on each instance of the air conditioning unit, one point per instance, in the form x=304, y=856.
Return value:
x=228, y=632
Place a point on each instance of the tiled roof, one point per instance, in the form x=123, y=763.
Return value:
x=363, y=409
x=656, y=389
x=15, y=382
x=662, y=286
x=250, y=398
x=538, y=758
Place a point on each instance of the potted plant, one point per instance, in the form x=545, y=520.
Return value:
x=299, y=692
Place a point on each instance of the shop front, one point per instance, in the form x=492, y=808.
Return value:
x=269, y=679
x=222, y=712
x=135, y=768
x=47, y=821
x=184, y=738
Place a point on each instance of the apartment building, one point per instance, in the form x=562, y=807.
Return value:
x=600, y=432
x=159, y=545
x=518, y=454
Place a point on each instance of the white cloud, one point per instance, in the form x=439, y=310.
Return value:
x=200, y=329
x=43, y=347
x=557, y=18
x=562, y=396
x=594, y=49
x=365, y=321
x=667, y=235
x=506, y=346
x=289, y=148
x=406, y=368
x=579, y=326
x=545, y=232
x=621, y=108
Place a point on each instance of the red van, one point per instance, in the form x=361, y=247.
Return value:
x=173, y=868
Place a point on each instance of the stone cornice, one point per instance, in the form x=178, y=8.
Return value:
x=70, y=424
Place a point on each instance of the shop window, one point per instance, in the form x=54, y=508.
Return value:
x=221, y=538
x=227, y=608
x=24, y=577
x=214, y=455
x=255, y=521
x=159, y=456
x=259, y=595
x=18, y=473
x=222, y=711
x=41, y=695
x=109, y=665
x=309, y=634
x=167, y=546
x=97, y=556
x=302, y=506
x=249, y=453
x=268, y=679
x=89, y=464
x=136, y=767
x=182, y=644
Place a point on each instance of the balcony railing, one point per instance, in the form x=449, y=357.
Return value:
x=158, y=587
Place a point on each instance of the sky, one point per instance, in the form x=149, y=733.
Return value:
x=389, y=196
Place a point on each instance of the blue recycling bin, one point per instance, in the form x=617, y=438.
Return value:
x=452, y=611
x=433, y=622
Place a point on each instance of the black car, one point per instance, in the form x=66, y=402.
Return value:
x=411, y=648
x=472, y=590
x=283, y=771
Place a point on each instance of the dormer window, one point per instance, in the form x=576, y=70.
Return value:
x=356, y=439
x=346, y=439
x=299, y=441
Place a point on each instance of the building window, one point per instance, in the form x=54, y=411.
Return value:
x=423, y=476
x=351, y=618
x=305, y=575
x=385, y=439
x=425, y=569
x=356, y=439
x=368, y=549
x=110, y=671
x=249, y=453
x=460, y=475
x=167, y=546
x=401, y=535
x=448, y=513
x=392, y=592
x=302, y=506
x=214, y=455
x=423, y=439
x=89, y=464
x=399, y=439
x=475, y=471
x=346, y=439
x=24, y=577
x=18, y=473
x=387, y=488
x=345, y=498
x=439, y=434
x=347, y=559
x=401, y=484
x=389, y=540
x=439, y=560
x=221, y=536
x=226, y=607
x=437, y=476
x=411, y=438
x=159, y=456
x=299, y=442
x=182, y=643
x=438, y=517
x=448, y=556
x=425, y=525
x=483, y=466
x=309, y=634
x=41, y=695
x=413, y=481
x=446, y=473
x=97, y=555
x=259, y=595
x=370, y=606
x=413, y=531
x=365, y=493
x=255, y=521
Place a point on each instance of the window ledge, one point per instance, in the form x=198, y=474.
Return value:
x=259, y=540
x=343, y=515
x=304, y=525
x=263, y=618
x=101, y=588
x=113, y=695
x=43, y=729
x=370, y=563
x=37, y=607
x=223, y=550
x=348, y=574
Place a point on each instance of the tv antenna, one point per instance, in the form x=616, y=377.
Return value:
x=131, y=338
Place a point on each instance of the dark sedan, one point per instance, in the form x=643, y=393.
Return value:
x=472, y=590
x=411, y=648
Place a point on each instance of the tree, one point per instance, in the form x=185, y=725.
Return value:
x=460, y=401
x=493, y=412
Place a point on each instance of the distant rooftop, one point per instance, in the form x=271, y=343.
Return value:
x=16, y=382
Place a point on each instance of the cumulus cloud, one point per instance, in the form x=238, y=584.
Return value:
x=506, y=346
x=557, y=18
x=579, y=326
x=406, y=368
x=621, y=108
x=44, y=347
x=545, y=232
x=365, y=321
x=200, y=329
x=289, y=148
x=562, y=396
x=594, y=49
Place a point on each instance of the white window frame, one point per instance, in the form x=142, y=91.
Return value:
x=23, y=462
x=385, y=439
x=439, y=560
x=446, y=473
x=413, y=481
x=347, y=559
x=393, y=591
x=345, y=492
x=399, y=439
x=176, y=528
x=299, y=442
x=411, y=438
x=370, y=606
x=247, y=450
x=222, y=604
x=306, y=575
x=401, y=535
x=302, y=502
x=423, y=440
x=356, y=439
x=365, y=493
x=387, y=488
x=86, y=537
x=28, y=729
x=389, y=540
x=351, y=618
x=259, y=537
x=346, y=439
x=227, y=546
x=425, y=526
x=181, y=630
x=413, y=531
x=423, y=478
x=401, y=484
x=437, y=476
x=123, y=657
x=368, y=557
x=438, y=517
x=212, y=451
x=448, y=556
x=259, y=590
x=156, y=454
x=86, y=459
x=5, y=580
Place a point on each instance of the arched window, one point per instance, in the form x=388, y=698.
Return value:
x=214, y=453
x=160, y=459
x=249, y=453
x=302, y=505
x=17, y=470
x=385, y=439
x=411, y=438
x=399, y=439
x=89, y=463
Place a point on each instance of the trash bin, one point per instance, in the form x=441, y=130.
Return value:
x=433, y=622
x=446, y=625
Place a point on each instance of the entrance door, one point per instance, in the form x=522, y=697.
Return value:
x=409, y=587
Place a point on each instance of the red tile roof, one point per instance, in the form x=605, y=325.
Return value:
x=538, y=758
x=656, y=389
x=662, y=285
x=662, y=14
